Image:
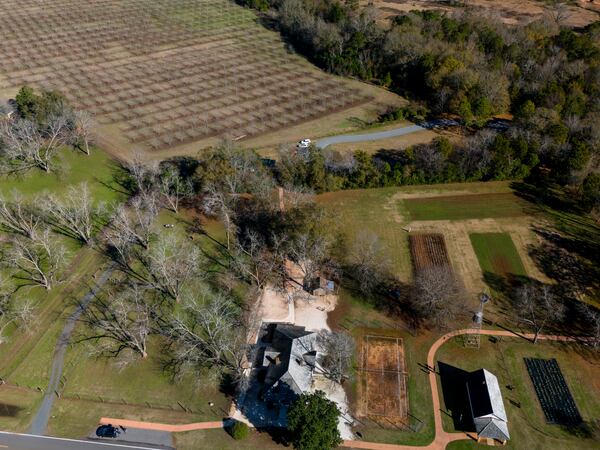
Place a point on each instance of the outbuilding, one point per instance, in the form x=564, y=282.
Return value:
x=487, y=407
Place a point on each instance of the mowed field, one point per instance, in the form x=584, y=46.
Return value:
x=164, y=73
x=462, y=207
x=496, y=253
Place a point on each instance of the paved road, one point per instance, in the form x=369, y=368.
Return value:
x=346, y=138
x=40, y=420
x=14, y=441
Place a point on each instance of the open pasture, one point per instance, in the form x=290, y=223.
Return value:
x=383, y=379
x=428, y=250
x=497, y=254
x=161, y=74
x=464, y=207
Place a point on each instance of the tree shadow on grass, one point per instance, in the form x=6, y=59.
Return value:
x=456, y=398
x=8, y=410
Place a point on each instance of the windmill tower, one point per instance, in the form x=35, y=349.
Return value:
x=473, y=340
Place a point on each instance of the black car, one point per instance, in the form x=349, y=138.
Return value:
x=107, y=431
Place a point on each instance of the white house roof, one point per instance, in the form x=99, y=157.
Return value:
x=487, y=406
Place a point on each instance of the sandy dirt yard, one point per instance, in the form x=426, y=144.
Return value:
x=577, y=14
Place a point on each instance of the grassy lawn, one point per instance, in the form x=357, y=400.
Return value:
x=26, y=356
x=371, y=210
x=496, y=253
x=526, y=421
x=143, y=382
x=144, y=390
x=97, y=170
x=16, y=407
x=463, y=207
x=218, y=439
x=74, y=418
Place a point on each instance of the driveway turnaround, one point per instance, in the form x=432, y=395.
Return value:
x=40, y=420
x=15, y=441
x=346, y=138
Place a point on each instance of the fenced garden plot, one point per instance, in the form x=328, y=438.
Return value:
x=428, y=250
x=164, y=73
x=383, y=392
x=552, y=391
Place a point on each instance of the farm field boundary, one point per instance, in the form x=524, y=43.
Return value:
x=163, y=74
x=496, y=253
x=384, y=394
x=428, y=250
x=464, y=207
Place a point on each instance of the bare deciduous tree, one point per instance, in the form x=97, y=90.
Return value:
x=208, y=333
x=338, y=348
x=143, y=176
x=39, y=261
x=120, y=321
x=133, y=225
x=538, y=307
x=26, y=146
x=171, y=264
x=75, y=214
x=438, y=295
x=222, y=205
x=592, y=319
x=21, y=315
x=173, y=189
x=251, y=260
x=83, y=129
x=19, y=217
x=369, y=261
x=309, y=253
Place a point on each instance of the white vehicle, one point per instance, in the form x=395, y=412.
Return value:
x=304, y=143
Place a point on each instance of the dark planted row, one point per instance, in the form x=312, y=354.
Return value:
x=553, y=393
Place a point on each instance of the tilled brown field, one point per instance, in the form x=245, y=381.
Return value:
x=166, y=72
x=383, y=392
x=428, y=250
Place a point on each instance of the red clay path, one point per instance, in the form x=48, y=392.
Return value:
x=442, y=438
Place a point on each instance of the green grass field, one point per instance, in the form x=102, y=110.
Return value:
x=25, y=359
x=143, y=390
x=526, y=421
x=463, y=207
x=98, y=170
x=497, y=254
x=371, y=210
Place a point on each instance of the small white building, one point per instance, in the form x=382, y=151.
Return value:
x=487, y=406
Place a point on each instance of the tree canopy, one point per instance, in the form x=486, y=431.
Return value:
x=312, y=422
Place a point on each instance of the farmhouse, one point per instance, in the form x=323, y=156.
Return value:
x=487, y=406
x=289, y=361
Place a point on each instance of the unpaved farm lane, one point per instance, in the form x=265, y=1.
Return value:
x=349, y=138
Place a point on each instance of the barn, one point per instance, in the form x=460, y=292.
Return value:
x=487, y=407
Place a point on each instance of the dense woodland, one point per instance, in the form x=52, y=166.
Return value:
x=472, y=67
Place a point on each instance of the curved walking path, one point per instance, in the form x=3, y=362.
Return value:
x=39, y=423
x=346, y=138
x=443, y=438
x=162, y=426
